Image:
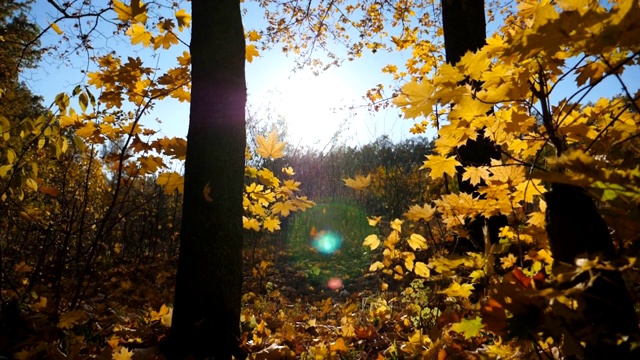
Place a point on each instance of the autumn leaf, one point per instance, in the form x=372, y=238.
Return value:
x=457, y=290
x=508, y=261
x=184, y=19
x=137, y=11
x=139, y=35
x=121, y=353
x=338, y=346
x=56, y=28
x=421, y=269
x=372, y=241
x=359, y=183
x=68, y=319
x=250, y=223
x=440, y=165
x=206, y=192
x=165, y=41
x=475, y=174
x=416, y=99
x=22, y=268
x=288, y=170
x=396, y=225
x=254, y=36
x=270, y=147
x=171, y=181
x=272, y=224
x=41, y=304
x=283, y=208
x=251, y=52
x=417, y=212
x=417, y=241
x=469, y=327
x=374, y=220
x=376, y=266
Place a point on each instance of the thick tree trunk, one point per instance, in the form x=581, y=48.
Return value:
x=464, y=26
x=576, y=229
x=209, y=280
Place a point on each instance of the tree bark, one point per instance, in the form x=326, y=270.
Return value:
x=209, y=279
x=464, y=27
x=576, y=229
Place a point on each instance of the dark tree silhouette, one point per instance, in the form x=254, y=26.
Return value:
x=209, y=280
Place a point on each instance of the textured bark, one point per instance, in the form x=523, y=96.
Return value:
x=464, y=26
x=576, y=229
x=209, y=279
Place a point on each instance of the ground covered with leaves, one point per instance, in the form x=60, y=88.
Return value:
x=292, y=308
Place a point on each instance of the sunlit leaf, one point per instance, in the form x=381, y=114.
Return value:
x=440, y=165
x=251, y=53
x=469, y=328
x=270, y=147
x=359, y=183
x=421, y=269
x=372, y=241
x=457, y=290
x=417, y=242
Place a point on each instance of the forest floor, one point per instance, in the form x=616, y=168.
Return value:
x=289, y=311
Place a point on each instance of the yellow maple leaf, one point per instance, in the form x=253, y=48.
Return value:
x=288, y=170
x=440, y=165
x=184, y=19
x=171, y=181
x=417, y=212
x=270, y=147
x=475, y=174
x=136, y=11
x=457, y=290
x=254, y=35
x=121, y=353
x=346, y=327
x=87, y=130
x=272, y=224
x=166, y=41
x=528, y=189
x=139, y=34
x=359, y=183
x=508, y=261
x=374, y=220
x=416, y=99
x=469, y=327
x=68, y=319
x=283, y=208
x=372, y=241
x=397, y=225
x=251, y=52
x=338, y=346
x=421, y=269
x=417, y=241
x=376, y=266
x=250, y=223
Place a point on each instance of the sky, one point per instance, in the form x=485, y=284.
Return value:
x=315, y=107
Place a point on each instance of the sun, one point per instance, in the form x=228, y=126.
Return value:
x=314, y=107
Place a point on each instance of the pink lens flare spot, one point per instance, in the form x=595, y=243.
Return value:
x=334, y=283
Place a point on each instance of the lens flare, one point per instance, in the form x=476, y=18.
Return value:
x=327, y=242
x=334, y=283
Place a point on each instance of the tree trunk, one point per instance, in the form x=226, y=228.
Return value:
x=576, y=229
x=464, y=27
x=209, y=279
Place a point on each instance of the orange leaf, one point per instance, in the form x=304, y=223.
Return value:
x=338, y=345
